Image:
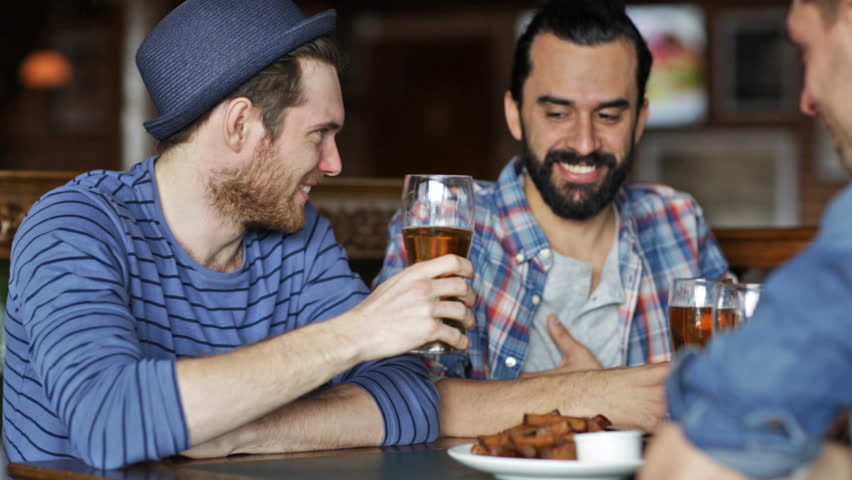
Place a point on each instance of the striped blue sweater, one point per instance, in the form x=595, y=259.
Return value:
x=103, y=301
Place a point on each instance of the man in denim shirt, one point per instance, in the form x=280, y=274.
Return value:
x=759, y=401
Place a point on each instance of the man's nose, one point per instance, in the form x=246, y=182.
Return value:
x=585, y=140
x=331, y=164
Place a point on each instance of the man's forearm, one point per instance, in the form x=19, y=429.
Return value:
x=224, y=392
x=343, y=416
x=629, y=397
x=479, y=407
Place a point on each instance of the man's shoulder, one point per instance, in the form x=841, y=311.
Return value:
x=486, y=193
x=99, y=201
x=488, y=205
x=99, y=186
x=648, y=200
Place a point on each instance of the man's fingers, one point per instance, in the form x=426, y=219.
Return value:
x=575, y=355
x=456, y=288
x=454, y=310
x=444, y=266
x=453, y=337
x=560, y=335
x=451, y=309
x=469, y=320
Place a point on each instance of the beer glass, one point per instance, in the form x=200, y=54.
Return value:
x=438, y=219
x=691, y=304
x=735, y=305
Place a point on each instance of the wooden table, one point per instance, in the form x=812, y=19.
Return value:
x=427, y=462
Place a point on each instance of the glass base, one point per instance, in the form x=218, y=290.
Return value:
x=436, y=348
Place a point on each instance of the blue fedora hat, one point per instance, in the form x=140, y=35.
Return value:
x=204, y=49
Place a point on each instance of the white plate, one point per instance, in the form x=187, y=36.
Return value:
x=536, y=469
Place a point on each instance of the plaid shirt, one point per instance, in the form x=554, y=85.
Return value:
x=662, y=236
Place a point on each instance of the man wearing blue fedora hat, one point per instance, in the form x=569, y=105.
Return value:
x=197, y=303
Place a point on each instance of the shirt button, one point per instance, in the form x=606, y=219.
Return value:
x=545, y=253
x=536, y=299
x=511, y=362
x=519, y=257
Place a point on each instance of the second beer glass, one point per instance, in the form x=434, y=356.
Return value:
x=691, y=303
x=438, y=219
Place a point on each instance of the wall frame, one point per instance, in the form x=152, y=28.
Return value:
x=757, y=72
x=742, y=179
x=677, y=88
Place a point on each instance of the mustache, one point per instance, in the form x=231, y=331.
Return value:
x=593, y=159
x=314, y=178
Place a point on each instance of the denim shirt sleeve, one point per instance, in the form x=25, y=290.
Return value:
x=760, y=399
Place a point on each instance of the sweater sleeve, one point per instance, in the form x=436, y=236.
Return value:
x=400, y=386
x=69, y=282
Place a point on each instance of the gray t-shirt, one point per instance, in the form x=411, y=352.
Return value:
x=591, y=319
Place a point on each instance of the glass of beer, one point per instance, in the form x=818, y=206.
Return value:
x=691, y=304
x=438, y=215
x=735, y=305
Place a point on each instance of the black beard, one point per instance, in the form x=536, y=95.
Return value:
x=576, y=201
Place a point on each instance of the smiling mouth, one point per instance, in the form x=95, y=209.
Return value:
x=578, y=169
x=581, y=173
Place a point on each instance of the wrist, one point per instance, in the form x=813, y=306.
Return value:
x=348, y=338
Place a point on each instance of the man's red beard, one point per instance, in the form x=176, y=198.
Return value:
x=261, y=194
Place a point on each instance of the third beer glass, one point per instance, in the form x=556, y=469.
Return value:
x=735, y=305
x=438, y=219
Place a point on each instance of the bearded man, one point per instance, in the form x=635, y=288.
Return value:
x=573, y=266
x=197, y=303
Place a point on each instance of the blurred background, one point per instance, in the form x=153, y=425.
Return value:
x=423, y=87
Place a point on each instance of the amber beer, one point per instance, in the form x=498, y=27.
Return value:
x=426, y=243
x=694, y=325
x=728, y=318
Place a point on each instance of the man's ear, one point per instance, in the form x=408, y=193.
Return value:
x=641, y=121
x=513, y=115
x=240, y=118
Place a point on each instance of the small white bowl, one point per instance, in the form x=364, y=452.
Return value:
x=610, y=446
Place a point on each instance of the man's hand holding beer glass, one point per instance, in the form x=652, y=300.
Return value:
x=408, y=310
x=426, y=307
x=438, y=217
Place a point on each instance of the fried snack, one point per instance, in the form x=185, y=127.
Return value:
x=541, y=435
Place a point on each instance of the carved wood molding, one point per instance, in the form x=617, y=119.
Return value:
x=11, y=215
x=19, y=189
x=359, y=209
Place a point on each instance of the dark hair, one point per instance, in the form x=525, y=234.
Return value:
x=584, y=22
x=273, y=89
